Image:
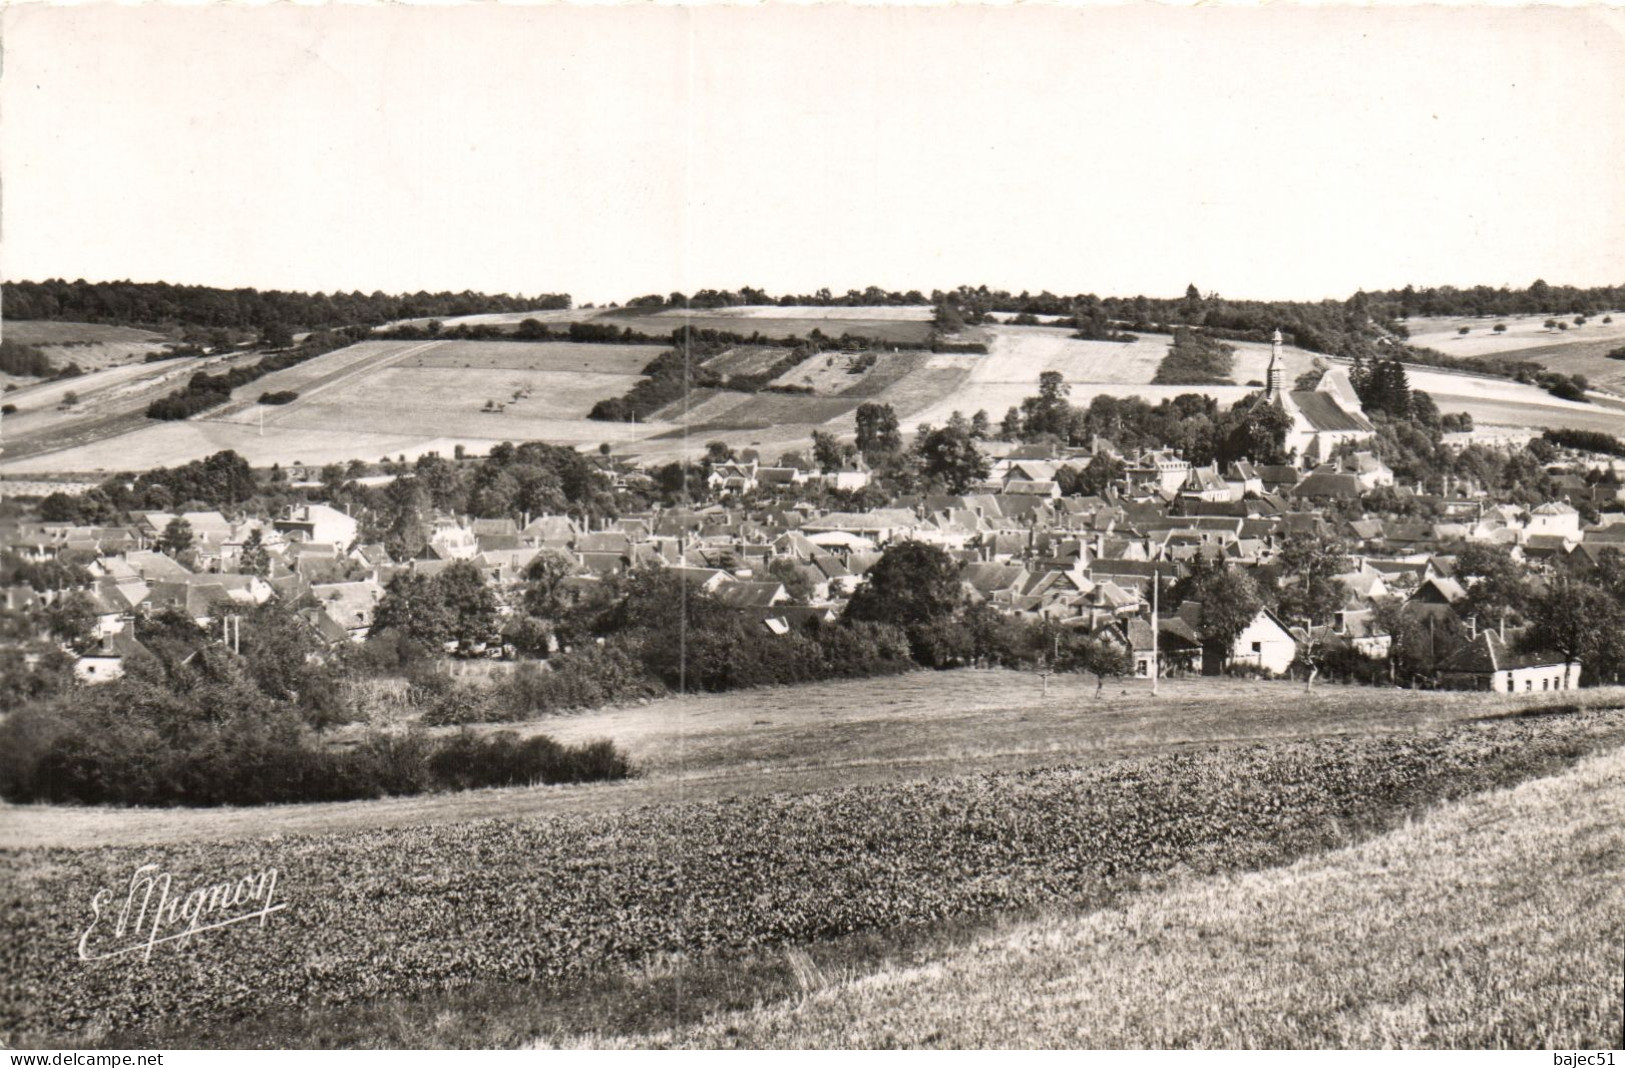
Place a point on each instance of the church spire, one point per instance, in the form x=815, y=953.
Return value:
x=1275, y=378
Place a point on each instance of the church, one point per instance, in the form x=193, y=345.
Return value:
x=1322, y=418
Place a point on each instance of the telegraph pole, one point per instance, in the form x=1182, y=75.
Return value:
x=1156, y=658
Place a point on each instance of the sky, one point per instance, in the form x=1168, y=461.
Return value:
x=1268, y=153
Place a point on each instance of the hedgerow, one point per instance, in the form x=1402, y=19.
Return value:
x=397, y=912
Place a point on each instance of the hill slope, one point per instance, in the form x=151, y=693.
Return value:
x=1493, y=922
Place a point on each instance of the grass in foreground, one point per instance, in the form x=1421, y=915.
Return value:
x=433, y=931
x=1498, y=921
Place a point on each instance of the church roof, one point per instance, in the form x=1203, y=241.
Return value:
x=1322, y=412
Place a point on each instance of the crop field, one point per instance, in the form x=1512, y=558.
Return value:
x=391, y=398
x=411, y=912
x=775, y=326
x=57, y=332
x=837, y=315
x=828, y=373
x=109, y=406
x=822, y=735
x=766, y=410
x=1588, y=357
x=553, y=356
x=375, y=393
x=93, y=346
x=551, y=316
x=450, y=401
x=699, y=406
x=1492, y=922
x=746, y=359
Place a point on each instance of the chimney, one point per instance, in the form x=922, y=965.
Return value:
x=1472, y=628
x=1503, y=626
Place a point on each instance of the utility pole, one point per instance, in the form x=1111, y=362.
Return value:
x=1156, y=657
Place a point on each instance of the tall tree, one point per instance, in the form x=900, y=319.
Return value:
x=254, y=559
x=176, y=538
x=912, y=584
x=1579, y=622
x=414, y=606
x=469, y=601
x=878, y=431
x=951, y=457
x=1230, y=601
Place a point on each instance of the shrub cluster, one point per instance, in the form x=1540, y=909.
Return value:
x=215, y=741
x=281, y=396
x=22, y=360
x=1196, y=360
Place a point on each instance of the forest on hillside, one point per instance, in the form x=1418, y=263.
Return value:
x=162, y=305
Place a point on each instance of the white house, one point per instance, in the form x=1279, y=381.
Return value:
x=1489, y=662
x=1265, y=643
x=318, y=524
x=1555, y=518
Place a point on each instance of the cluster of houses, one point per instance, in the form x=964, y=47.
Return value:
x=1025, y=549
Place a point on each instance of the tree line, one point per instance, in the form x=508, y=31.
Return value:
x=162, y=304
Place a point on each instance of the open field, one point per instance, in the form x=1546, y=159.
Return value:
x=109, y=406
x=551, y=316
x=58, y=332
x=1523, y=332
x=839, y=315
x=904, y=324
x=1577, y=350
x=398, y=925
x=550, y=356
x=1493, y=922
x=768, y=410
x=93, y=346
x=745, y=359
x=407, y=397
x=442, y=388
x=829, y=373
x=1583, y=357
x=372, y=399
x=825, y=735
x=776, y=326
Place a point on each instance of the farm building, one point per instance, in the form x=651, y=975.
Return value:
x=1489, y=662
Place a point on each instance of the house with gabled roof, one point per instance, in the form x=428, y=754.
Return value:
x=1490, y=661
x=105, y=661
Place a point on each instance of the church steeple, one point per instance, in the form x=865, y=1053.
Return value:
x=1274, y=380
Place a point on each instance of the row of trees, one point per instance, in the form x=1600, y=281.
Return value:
x=1193, y=308
x=162, y=304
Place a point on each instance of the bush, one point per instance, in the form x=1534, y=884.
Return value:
x=467, y=761
x=284, y=396
x=1196, y=360
x=459, y=704
x=137, y=745
x=584, y=678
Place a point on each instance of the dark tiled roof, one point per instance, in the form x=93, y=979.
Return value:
x=1322, y=412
